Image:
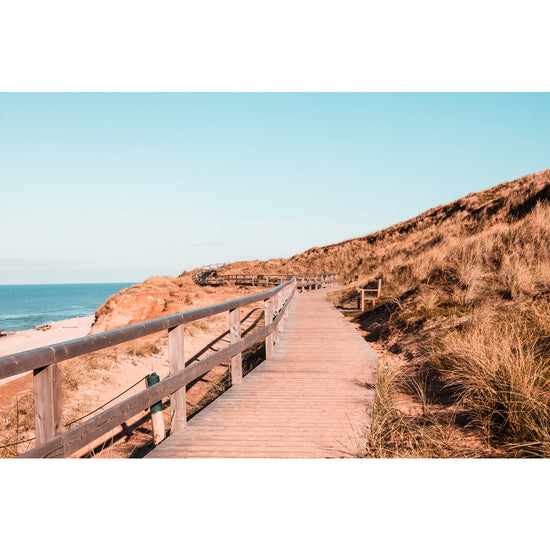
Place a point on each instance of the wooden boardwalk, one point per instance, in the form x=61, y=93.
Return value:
x=313, y=399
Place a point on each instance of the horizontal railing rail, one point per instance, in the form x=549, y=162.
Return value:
x=27, y=361
x=51, y=441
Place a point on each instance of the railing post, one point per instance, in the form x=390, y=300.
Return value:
x=157, y=421
x=284, y=299
x=275, y=313
x=47, y=403
x=235, y=334
x=268, y=304
x=178, y=411
x=288, y=294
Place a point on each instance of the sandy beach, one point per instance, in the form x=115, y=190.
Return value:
x=60, y=331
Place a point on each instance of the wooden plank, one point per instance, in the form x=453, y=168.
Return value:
x=47, y=403
x=268, y=305
x=277, y=308
x=176, y=346
x=235, y=334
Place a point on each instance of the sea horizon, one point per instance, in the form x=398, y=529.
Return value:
x=55, y=284
x=26, y=306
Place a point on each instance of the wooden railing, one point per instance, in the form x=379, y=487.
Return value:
x=206, y=270
x=310, y=281
x=51, y=441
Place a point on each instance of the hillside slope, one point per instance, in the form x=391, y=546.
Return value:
x=464, y=327
x=503, y=204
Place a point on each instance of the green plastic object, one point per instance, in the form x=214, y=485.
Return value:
x=153, y=379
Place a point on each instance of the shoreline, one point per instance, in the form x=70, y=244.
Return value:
x=58, y=331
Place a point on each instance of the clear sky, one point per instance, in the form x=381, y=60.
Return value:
x=118, y=187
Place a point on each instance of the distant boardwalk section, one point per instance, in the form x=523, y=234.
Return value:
x=209, y=275
x=312, y=399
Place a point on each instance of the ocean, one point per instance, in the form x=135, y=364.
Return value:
x=23, y=307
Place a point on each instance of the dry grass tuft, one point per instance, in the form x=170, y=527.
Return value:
x=407, y=425
x=498, y=369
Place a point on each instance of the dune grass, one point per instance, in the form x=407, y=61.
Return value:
x=466, y=302
x=498, y=369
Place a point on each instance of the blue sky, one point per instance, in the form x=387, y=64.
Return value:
x=118, y=187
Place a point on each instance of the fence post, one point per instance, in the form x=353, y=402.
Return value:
x=275, y=313
x=268, y=304
x=157, y=421
x=284, y=299
x=47, y=403
x=235, y=335
x=178, y=412
x=289, y=290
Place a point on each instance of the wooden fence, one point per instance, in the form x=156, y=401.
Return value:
x=310, y=281
x=51, y=441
